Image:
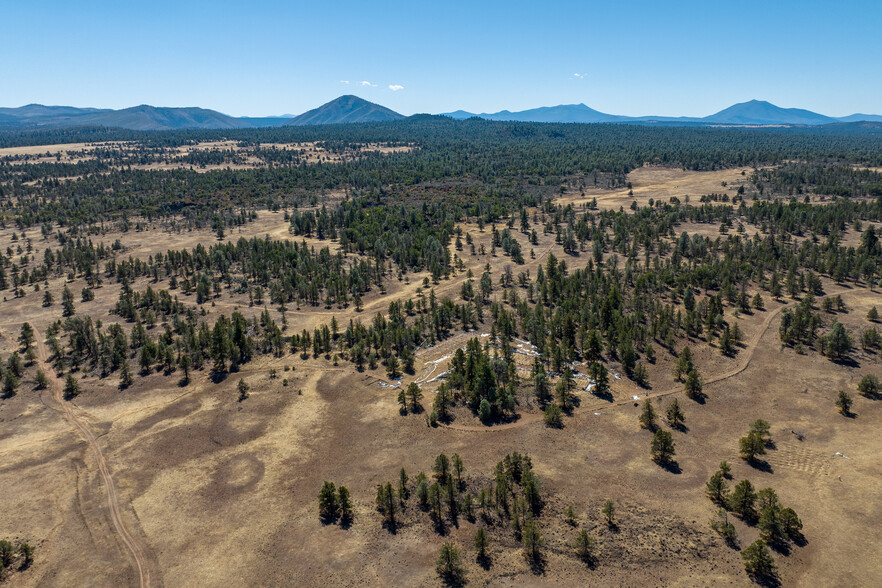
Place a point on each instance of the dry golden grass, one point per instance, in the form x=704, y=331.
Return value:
x=223, y=493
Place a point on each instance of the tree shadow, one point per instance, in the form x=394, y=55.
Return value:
x=699, y=398
x=761, y=465
x=453, y=579
x=391, y=526
x=346, y=522
x=768, y=580
x=218, y=377
x=847, y=361
x=439, y=525
x=484, y=561
x=537, y=564
x=671, y=466
x=590, y=561
x=781, y=546
x=605, y=395
x=503, y=419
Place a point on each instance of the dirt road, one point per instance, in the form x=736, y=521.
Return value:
x=64, y=407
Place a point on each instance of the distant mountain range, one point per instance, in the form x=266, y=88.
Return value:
x=352, y=109
x=755, y=112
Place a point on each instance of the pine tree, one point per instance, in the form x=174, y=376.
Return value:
x=838, y=343
x=328, y=501
x=10, y=384
x=758, y=561
x=743, y=500
x=242, y=387
x=392, y=367
x=717, y=489
x=26, y=337
x=415, y=395
x=481, y=543
x=540, y=384
x=71, y=387
x=751, y=445
x=443, y=401
x=869, y=386
x=609, y=512
x=27, y=554
x=584, y=545
x=662, y=446
x=125, y=375
x=694, y=385
x=344, y=504
x=531, y=537
x=448, y=564
x=403, y=492
x=675, y=414
x=844, y=402
x=553, y=416
x=458, y=468
x=67, y=302
x=442, y=468
x=41, y=380
x=647, y=416
x=387, y=504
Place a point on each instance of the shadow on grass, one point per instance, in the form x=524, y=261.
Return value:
x=670, y=466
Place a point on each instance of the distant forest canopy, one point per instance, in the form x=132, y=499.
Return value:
x=496, y=165
x=624, y=146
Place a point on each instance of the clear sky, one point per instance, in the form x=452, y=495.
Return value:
x=259, y=58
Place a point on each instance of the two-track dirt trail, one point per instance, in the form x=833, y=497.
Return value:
x=745, y=356
x=88, y=436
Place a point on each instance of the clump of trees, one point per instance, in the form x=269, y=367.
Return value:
x=778, y=525
x=335, y=504
x=14, y=556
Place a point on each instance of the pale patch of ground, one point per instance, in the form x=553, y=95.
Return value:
x=310, y=153
x=662, y=183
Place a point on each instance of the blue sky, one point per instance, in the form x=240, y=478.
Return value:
x=272, y=57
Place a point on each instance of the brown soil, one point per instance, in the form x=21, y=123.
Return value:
x=209, y=491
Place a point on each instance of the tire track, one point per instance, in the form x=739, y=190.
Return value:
x=88, y=436
x=747, y=354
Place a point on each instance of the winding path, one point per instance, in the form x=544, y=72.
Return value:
x=747, y=355
x=55, y=386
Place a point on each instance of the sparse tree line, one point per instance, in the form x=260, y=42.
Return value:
x=779, y=526
x=507, y=511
